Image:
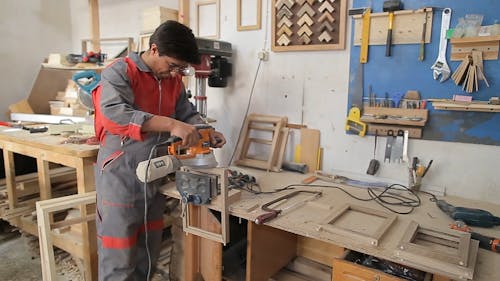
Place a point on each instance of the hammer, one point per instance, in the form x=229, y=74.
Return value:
x=391, y=6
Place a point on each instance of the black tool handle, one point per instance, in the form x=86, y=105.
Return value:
x=485, y=242
x=388, y=43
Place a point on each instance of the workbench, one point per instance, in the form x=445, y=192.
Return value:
x=272, y=245
x=47, y=149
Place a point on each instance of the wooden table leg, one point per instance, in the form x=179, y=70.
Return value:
x=10, y=177
x=85, y=183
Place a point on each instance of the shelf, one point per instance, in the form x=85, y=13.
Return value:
x=461, y=47
x=479, y=106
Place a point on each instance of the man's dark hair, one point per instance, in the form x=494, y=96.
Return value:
x=176, y=40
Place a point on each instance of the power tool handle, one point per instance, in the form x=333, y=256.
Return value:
x=445, y=207
x=485, y=242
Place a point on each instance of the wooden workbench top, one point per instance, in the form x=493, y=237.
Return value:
x=46, y=142
x=304, y=220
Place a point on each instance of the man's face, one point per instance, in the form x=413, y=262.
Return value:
x=165, y=66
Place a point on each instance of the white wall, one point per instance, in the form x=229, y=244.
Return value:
x=30, y=31
x=117, y=18
x=309, y=88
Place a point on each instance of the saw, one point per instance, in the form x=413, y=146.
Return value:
x=199, y=156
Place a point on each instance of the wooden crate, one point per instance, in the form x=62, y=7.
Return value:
x=154, y=16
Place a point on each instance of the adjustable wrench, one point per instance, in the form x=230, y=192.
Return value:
x=440, y=67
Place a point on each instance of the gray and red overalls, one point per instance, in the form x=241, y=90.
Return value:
x=128, y=95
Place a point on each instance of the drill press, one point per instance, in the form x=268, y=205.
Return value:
x=214, y=67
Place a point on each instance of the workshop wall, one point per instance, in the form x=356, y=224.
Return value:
x=403, y=71
x=310, y=87
x=30, y=31
x=117, y=19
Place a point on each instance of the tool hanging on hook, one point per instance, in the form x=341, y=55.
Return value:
x=391, y=6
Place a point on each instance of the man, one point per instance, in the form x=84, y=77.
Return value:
x=140, y=102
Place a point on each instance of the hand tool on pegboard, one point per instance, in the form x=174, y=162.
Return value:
x=390, y=6
x=365, y=31
x=353, y=123
x=421, y=50
x=440, y=67
x=374, y=163
x=397, y=148
x=388, y=145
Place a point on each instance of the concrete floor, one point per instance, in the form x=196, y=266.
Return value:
x=20, y=259
x=18, y=263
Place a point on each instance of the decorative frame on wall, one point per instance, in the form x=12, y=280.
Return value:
x=205, y=26
x=244, y=11
x=308, y=25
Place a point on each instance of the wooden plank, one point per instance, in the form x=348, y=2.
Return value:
x=318, y=251
x=310, y=268
x=463, y=47
x=383, y=130
x=309, y=147
x=346, y=270
x=203, y=256
x=184, y=12
x=94, y=25
x=396, y=116
x=10, y=176
x=407, y=29
x=268, y=250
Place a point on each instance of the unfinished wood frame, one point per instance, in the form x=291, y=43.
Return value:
x=263, y=124
x=242, y=7
x=328, y=224
x=443, y=251
x=204, y=19
x=143, y=42
x=453, y=239
x=44, y=209
x=190, y=218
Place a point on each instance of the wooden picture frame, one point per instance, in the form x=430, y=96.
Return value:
x=205, y=26
x=308, y=25
x=242, y=7
x=329, y=222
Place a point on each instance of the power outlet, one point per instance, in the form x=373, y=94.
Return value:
x=263, y=55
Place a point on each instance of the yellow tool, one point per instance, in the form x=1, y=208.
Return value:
x=353, y=123
x=365, y=36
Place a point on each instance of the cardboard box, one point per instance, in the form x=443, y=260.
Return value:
x=154, y=16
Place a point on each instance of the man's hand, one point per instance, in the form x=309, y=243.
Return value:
x=217, y=139
x=187, y=132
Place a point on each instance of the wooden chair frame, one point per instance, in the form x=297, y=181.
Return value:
x=44, y=210
x=263, y=123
